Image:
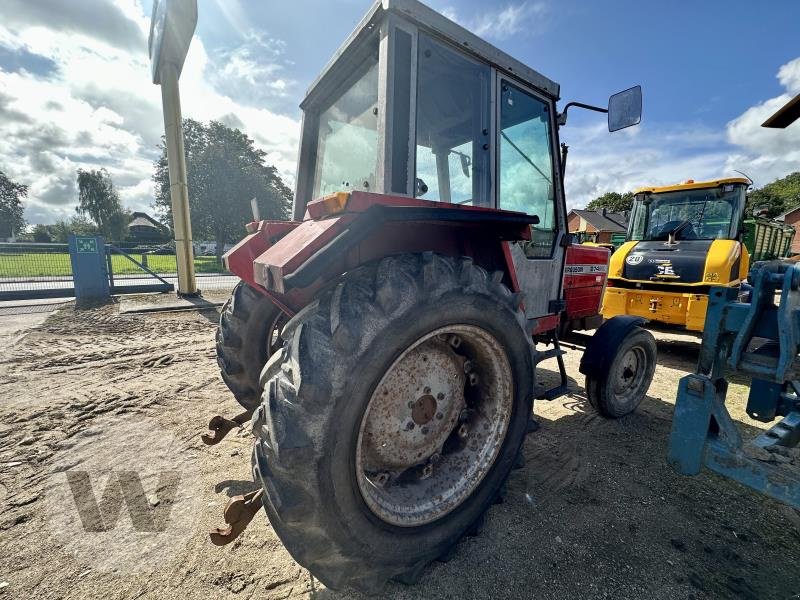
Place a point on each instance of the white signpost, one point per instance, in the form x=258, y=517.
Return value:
x=171, y=28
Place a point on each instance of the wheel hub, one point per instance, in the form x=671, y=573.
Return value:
x=434, y=425
x=414, y=408
x=628, y=371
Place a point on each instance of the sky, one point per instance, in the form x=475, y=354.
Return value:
x=75, y=87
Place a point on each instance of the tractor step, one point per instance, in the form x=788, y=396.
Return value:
x=548, y=354
x=562, y=389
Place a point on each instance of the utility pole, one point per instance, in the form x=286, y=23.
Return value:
x=171, y=29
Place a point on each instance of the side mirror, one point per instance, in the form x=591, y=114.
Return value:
x=625, y=109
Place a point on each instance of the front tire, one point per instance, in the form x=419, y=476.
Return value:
x=617, y=391
x=373, y=462
x=248, y=334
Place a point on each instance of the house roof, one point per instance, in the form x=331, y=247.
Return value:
x=787, y=213
x=141, y=219
x=610, y=221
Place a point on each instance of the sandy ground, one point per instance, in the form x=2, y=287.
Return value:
x=595, y=512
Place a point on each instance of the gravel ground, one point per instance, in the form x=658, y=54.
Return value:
x=594, y=513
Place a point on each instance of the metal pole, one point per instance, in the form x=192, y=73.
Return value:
x=178, y=189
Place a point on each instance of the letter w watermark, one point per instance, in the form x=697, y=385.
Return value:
x=123, y=486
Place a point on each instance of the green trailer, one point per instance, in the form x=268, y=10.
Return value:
x=767, y=240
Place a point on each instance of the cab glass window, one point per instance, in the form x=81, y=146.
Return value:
x=526, y=165
x=452, y=147
x=347, y=139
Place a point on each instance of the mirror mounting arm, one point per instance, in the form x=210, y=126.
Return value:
x=561, y=119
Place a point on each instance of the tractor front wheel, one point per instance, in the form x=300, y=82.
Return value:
x=248, y=334
x=617, y=391
x=401, y=401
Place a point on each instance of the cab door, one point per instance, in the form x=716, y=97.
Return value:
x=529, y=180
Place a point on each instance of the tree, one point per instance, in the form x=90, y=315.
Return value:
x=12, y=221
x=225, y=170
x=612, y=202
x=41, y=234
x=777, y=197
x=78, y=225
x=98, y=199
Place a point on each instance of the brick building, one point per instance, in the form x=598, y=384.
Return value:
x=792, y=218
x=596, y=225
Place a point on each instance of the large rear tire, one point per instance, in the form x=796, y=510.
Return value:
x=400, y=404
x=246, y=337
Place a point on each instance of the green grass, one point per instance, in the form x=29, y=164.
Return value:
x=32, y=264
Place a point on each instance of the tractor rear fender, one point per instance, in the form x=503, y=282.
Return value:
x=599, y=353
x=318, y=251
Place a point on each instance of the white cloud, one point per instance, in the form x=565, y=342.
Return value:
x=762, y=152
x=789, y=76
x=525, y=17
x=254, y=72
x=97, y=106
x=600, y=162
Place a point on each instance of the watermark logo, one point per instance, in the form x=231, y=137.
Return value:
x=124, y=496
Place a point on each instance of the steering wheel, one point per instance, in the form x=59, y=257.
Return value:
x=682, y=228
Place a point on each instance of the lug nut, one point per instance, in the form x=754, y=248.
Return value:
x=424, y=431
x=382, y=478
x=463, y=431
x=440, y=396
x=473, y=379
x=409, y=425
x=427, y=471
x=468, y=366
x=427, y=390
x=439, y=416
x=455, y=341
x=411, y=404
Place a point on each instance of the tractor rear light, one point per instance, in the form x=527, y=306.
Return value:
x=329, y=205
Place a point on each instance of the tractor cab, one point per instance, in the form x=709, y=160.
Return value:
x=415, y=108
x=414, y=105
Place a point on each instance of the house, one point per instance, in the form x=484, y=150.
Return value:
x=596, y=225
x=145, y=229
x=792, y=217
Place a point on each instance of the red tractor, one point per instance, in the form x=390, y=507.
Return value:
x=385, y=341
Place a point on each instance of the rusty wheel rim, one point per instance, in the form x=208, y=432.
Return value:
x=629, y=375
x=434, y=425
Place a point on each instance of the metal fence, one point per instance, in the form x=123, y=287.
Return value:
x=45, y=271
x=35, y=271
x=161, y=260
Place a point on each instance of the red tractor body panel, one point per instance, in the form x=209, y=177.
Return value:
x=291, y=261
x=585, y=274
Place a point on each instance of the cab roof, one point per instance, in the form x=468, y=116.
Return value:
x=690, y=184
x=433, y=23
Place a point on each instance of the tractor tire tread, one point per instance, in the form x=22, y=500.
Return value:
x=241, y=345
x=299, y=397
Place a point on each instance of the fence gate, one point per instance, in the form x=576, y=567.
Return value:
x=128, y=274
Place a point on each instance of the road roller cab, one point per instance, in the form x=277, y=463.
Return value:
x=384, y=341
